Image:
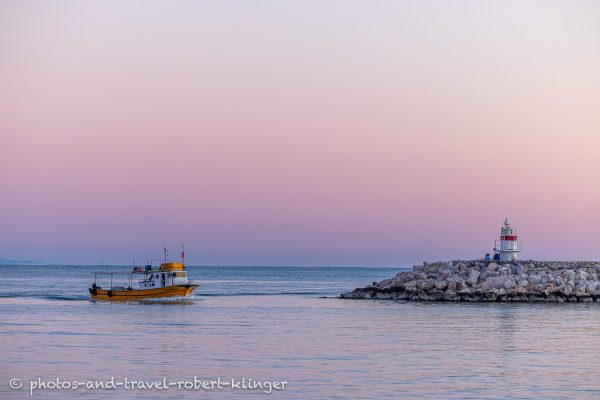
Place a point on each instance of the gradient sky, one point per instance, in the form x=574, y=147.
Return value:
x=298, y=132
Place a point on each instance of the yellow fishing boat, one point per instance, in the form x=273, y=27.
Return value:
x=169, y=280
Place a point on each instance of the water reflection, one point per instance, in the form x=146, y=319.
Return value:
x=325, y=348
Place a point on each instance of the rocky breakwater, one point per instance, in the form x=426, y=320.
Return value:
x=479, y=281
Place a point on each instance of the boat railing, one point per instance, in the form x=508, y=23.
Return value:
x=130, y=274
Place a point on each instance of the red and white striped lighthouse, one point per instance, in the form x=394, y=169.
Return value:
x=508, y=246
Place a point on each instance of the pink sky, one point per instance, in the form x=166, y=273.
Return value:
x=298, y=133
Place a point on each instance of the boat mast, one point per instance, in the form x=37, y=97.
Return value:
x=182, y=251
x=165, y=249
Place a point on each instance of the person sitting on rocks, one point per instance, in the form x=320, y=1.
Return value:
x=497, y=257
x=487, y=257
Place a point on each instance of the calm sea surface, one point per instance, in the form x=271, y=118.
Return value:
x=283, y=324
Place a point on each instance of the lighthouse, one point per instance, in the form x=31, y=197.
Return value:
x=508, y=246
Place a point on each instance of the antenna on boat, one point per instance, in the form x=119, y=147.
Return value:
x=166, y=252
x=182, y=251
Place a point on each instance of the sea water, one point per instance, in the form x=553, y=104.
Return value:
x=250, y=328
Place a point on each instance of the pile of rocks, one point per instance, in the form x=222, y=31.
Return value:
x=476, y=280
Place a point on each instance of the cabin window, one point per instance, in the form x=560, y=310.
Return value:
x=156, y=276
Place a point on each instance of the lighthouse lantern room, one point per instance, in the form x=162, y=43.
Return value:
x=508, y=246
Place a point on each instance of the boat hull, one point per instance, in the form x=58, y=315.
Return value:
x=128, y=295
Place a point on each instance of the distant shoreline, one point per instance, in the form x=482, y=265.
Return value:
x=206, y=266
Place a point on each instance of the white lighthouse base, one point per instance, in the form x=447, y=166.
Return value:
x=509, y=255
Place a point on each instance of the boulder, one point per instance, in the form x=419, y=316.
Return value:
x=460, y=284
x=452, y=285
x=518, y=269
x=384, y=283
x=491, y=267
x=590, y=286
x=567, y=290
x=425, y=284
x=404, y=276
x=440, y=285
x=473, y=277
x=495, y=282
x=509, y=283
x=419, y=268
x=450, y=296
x=420, y=276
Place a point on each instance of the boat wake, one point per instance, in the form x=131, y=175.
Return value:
x=49, y=296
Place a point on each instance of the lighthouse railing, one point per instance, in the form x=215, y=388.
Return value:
x=517, y=245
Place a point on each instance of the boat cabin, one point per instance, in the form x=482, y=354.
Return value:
x=168, y=274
